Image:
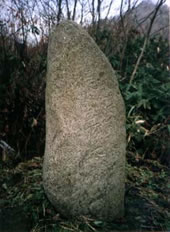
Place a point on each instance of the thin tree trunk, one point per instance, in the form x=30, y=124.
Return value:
x=74, y=10
x=68, y=10
x=82, y=12
x=99, y=13
x=93, y=13
x=59, y=11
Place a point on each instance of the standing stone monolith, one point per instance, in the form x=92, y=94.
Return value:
x=84, y=163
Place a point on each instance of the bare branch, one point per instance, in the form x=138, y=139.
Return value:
x=159, y=4
x=109, y=8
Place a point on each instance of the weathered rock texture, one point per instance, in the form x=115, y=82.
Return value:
x=84, y=163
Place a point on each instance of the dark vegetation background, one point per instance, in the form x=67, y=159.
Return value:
x=23, y=70
x=136, y=44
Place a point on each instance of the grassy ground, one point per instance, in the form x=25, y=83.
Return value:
x=25, y=208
